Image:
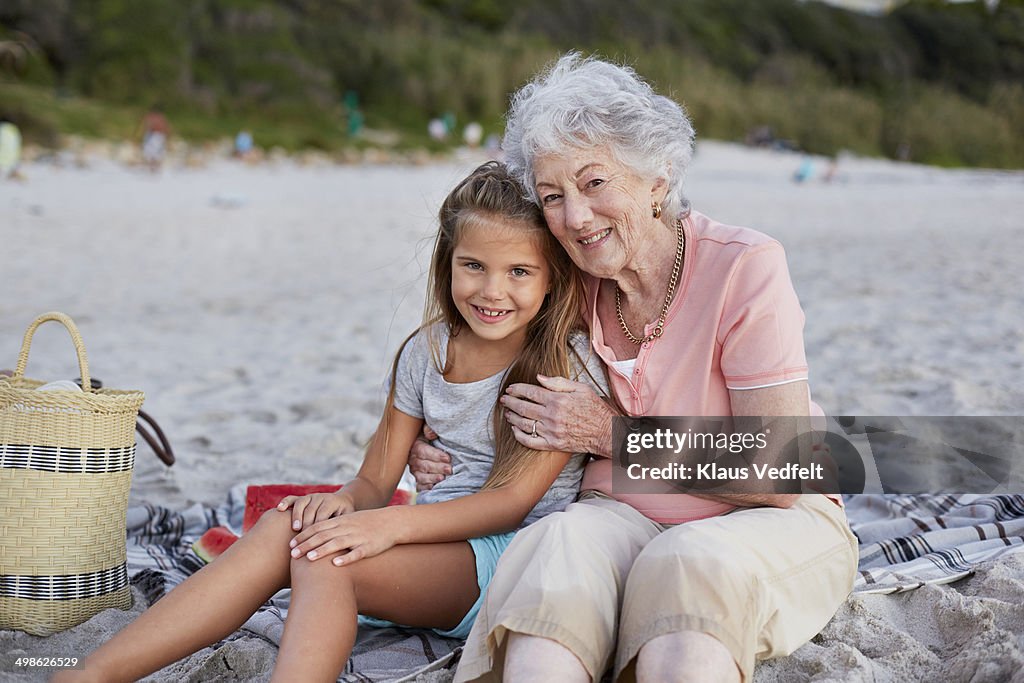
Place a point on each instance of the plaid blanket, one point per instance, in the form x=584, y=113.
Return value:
x=907, y=541
x=160, y=556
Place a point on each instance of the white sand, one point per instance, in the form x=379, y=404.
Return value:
x=258, y=308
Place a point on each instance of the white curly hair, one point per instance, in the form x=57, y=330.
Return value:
x=581, y=103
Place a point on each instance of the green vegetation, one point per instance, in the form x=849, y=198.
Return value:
x=942, y=82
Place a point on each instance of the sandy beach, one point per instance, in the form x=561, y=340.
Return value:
x=258, y=307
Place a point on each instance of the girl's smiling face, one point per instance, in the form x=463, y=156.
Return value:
x=499, y=277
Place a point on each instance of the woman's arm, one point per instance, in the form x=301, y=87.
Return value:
x=559, y=415
x=789, y=400
x=571, y=415
x=365, y=534
x=760, y=329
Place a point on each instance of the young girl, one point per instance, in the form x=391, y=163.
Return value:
x=502, y=306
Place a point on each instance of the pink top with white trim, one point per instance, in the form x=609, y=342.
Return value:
x=735, y=323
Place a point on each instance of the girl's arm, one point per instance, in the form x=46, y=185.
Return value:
x=385, y=460
x=365, y=534
x=375, y=482
x=486, y=512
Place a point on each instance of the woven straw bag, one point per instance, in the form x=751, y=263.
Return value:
x=66, y=460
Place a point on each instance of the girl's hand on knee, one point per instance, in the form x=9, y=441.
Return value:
x=308, y=510
x=357, y=535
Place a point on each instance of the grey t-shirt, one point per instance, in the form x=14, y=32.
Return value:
x=461, y=416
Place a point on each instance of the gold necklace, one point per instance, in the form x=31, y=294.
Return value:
x=680, y=251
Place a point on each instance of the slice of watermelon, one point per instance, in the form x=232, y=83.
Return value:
x=213, y=543
x=259, y=499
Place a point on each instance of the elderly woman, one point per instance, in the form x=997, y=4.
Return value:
x=691, y=317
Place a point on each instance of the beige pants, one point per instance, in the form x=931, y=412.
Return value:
x=602, y=580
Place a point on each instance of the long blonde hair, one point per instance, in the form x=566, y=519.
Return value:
x=490, y=192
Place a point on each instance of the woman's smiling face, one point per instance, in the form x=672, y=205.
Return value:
x=598, y=209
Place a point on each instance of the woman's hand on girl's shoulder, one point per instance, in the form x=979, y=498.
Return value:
x=357, y=536
x=316, y=507
x=559, y=415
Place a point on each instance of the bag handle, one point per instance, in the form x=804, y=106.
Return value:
x=163, y=448
x=156, y=439
x=76, y=338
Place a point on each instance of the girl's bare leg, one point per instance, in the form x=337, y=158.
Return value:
x=428, y=585
x=205, y=608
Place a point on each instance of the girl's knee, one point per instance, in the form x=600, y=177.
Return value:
x=305, y=570
x=275, y=527
x=275, y=518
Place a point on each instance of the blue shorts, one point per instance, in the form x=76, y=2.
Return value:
x=487, y=551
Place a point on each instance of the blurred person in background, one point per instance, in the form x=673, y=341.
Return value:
x=155, y=132
x=10, y=149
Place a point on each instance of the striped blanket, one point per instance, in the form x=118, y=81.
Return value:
x=160, y=556
x=907, y=541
